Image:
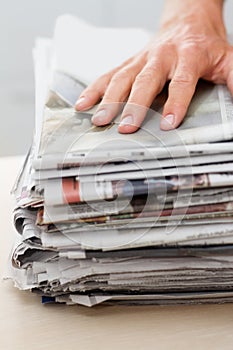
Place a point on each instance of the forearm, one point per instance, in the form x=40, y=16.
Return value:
x=205, y=12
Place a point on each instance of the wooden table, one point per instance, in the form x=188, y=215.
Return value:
x=27, y=324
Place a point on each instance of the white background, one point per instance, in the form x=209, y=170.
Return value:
x=21, y=21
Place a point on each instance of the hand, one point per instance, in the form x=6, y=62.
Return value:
x=187, y=47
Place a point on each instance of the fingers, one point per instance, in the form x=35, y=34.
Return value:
x=143, y=84
x=95, y=91
x=149, y=82
x=117, y=92
x=141, y=81
x=181, y=91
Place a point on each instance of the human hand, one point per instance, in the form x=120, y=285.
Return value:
x=191, y=44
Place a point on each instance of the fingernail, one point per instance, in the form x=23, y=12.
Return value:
x=167, y=123
x=80, y=102
x=128, y=120
x=100, y=117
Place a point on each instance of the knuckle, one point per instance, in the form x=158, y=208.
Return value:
x=90, y=91
x=176, y=104
x=190, y=47
x=147, y=75
x=186, y=78
x=164, y=48
x=123, y=74
x=180, y=105
x=109, y=96
x=105, y=77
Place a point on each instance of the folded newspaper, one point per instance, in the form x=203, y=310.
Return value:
x=101, y=217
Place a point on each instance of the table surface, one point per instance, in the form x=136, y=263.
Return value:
x=27, y=324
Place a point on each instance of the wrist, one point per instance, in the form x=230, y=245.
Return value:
x=207, y=13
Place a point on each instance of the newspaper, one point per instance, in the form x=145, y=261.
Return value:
x=113, y=167
x=103, y=217
x=67, y=134
x=74, y=190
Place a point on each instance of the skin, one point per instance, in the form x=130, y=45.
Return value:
x=190, y=44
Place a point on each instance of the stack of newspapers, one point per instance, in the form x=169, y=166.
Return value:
x=144, y=218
